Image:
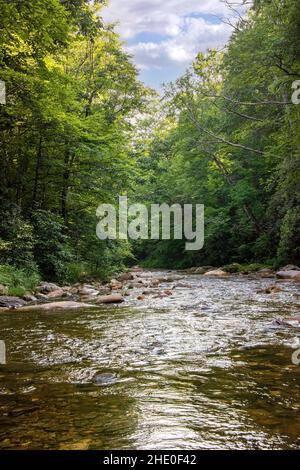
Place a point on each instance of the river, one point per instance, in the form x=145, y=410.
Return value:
x=205, y=368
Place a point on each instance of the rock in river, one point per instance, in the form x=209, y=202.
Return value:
x=7, y=301
x=217, y=273
x=126, y=277
x=290, y=275
x=67, y=305
x=105, y=378
x=46, y=287
x=110, y=299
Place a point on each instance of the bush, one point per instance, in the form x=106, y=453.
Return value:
x=233, y=268
x=52, y=247
x=18, y=281
x=16, y=240
x=75, y=272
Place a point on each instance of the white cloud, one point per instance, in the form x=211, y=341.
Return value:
x=158, y=16
x=173, y=31
x=194, y=36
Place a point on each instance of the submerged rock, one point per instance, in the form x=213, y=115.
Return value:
x=168, y=292
x=105, y=378
x=183, y=285
x=269, y=290
x=289, y=321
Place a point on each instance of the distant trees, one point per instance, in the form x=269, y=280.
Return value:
x=234, y=144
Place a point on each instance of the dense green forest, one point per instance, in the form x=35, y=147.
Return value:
x=79, y=129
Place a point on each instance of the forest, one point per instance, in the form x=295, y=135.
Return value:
x=79, y=129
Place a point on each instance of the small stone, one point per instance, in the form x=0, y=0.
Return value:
x=46, y=287
x=29, y=298
x=126, y=277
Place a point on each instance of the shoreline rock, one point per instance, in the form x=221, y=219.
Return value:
x=289, y=275
x=217, y=273
x=11, y=302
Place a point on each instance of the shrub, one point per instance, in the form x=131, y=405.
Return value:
x=52, y=248
x=18, y=281
x=233, y=268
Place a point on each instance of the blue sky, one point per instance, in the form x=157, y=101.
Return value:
x=164, y=36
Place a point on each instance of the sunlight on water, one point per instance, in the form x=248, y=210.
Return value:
x=203, y=369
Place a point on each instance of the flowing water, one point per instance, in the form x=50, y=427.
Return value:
x=203, y=369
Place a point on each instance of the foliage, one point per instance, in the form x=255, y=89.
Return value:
x=79, y=129
x=18, y=281
x=230, y=140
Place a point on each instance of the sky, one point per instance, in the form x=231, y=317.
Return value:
x=164, y=36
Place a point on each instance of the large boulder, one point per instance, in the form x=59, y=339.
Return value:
x=56, y=294
x=64, y=305
x=269, y=290
x=289, y=275
x=87, y=290
x=110, y=299
x=290, y=267
x=11, y=302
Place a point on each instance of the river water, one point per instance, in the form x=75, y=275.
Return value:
x=203, y=369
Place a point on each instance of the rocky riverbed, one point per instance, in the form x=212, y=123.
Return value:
x=186, y=361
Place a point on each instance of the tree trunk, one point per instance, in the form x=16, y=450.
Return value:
x=37, y=172
x=65, y=186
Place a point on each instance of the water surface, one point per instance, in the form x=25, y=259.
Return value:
x=203, y=369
